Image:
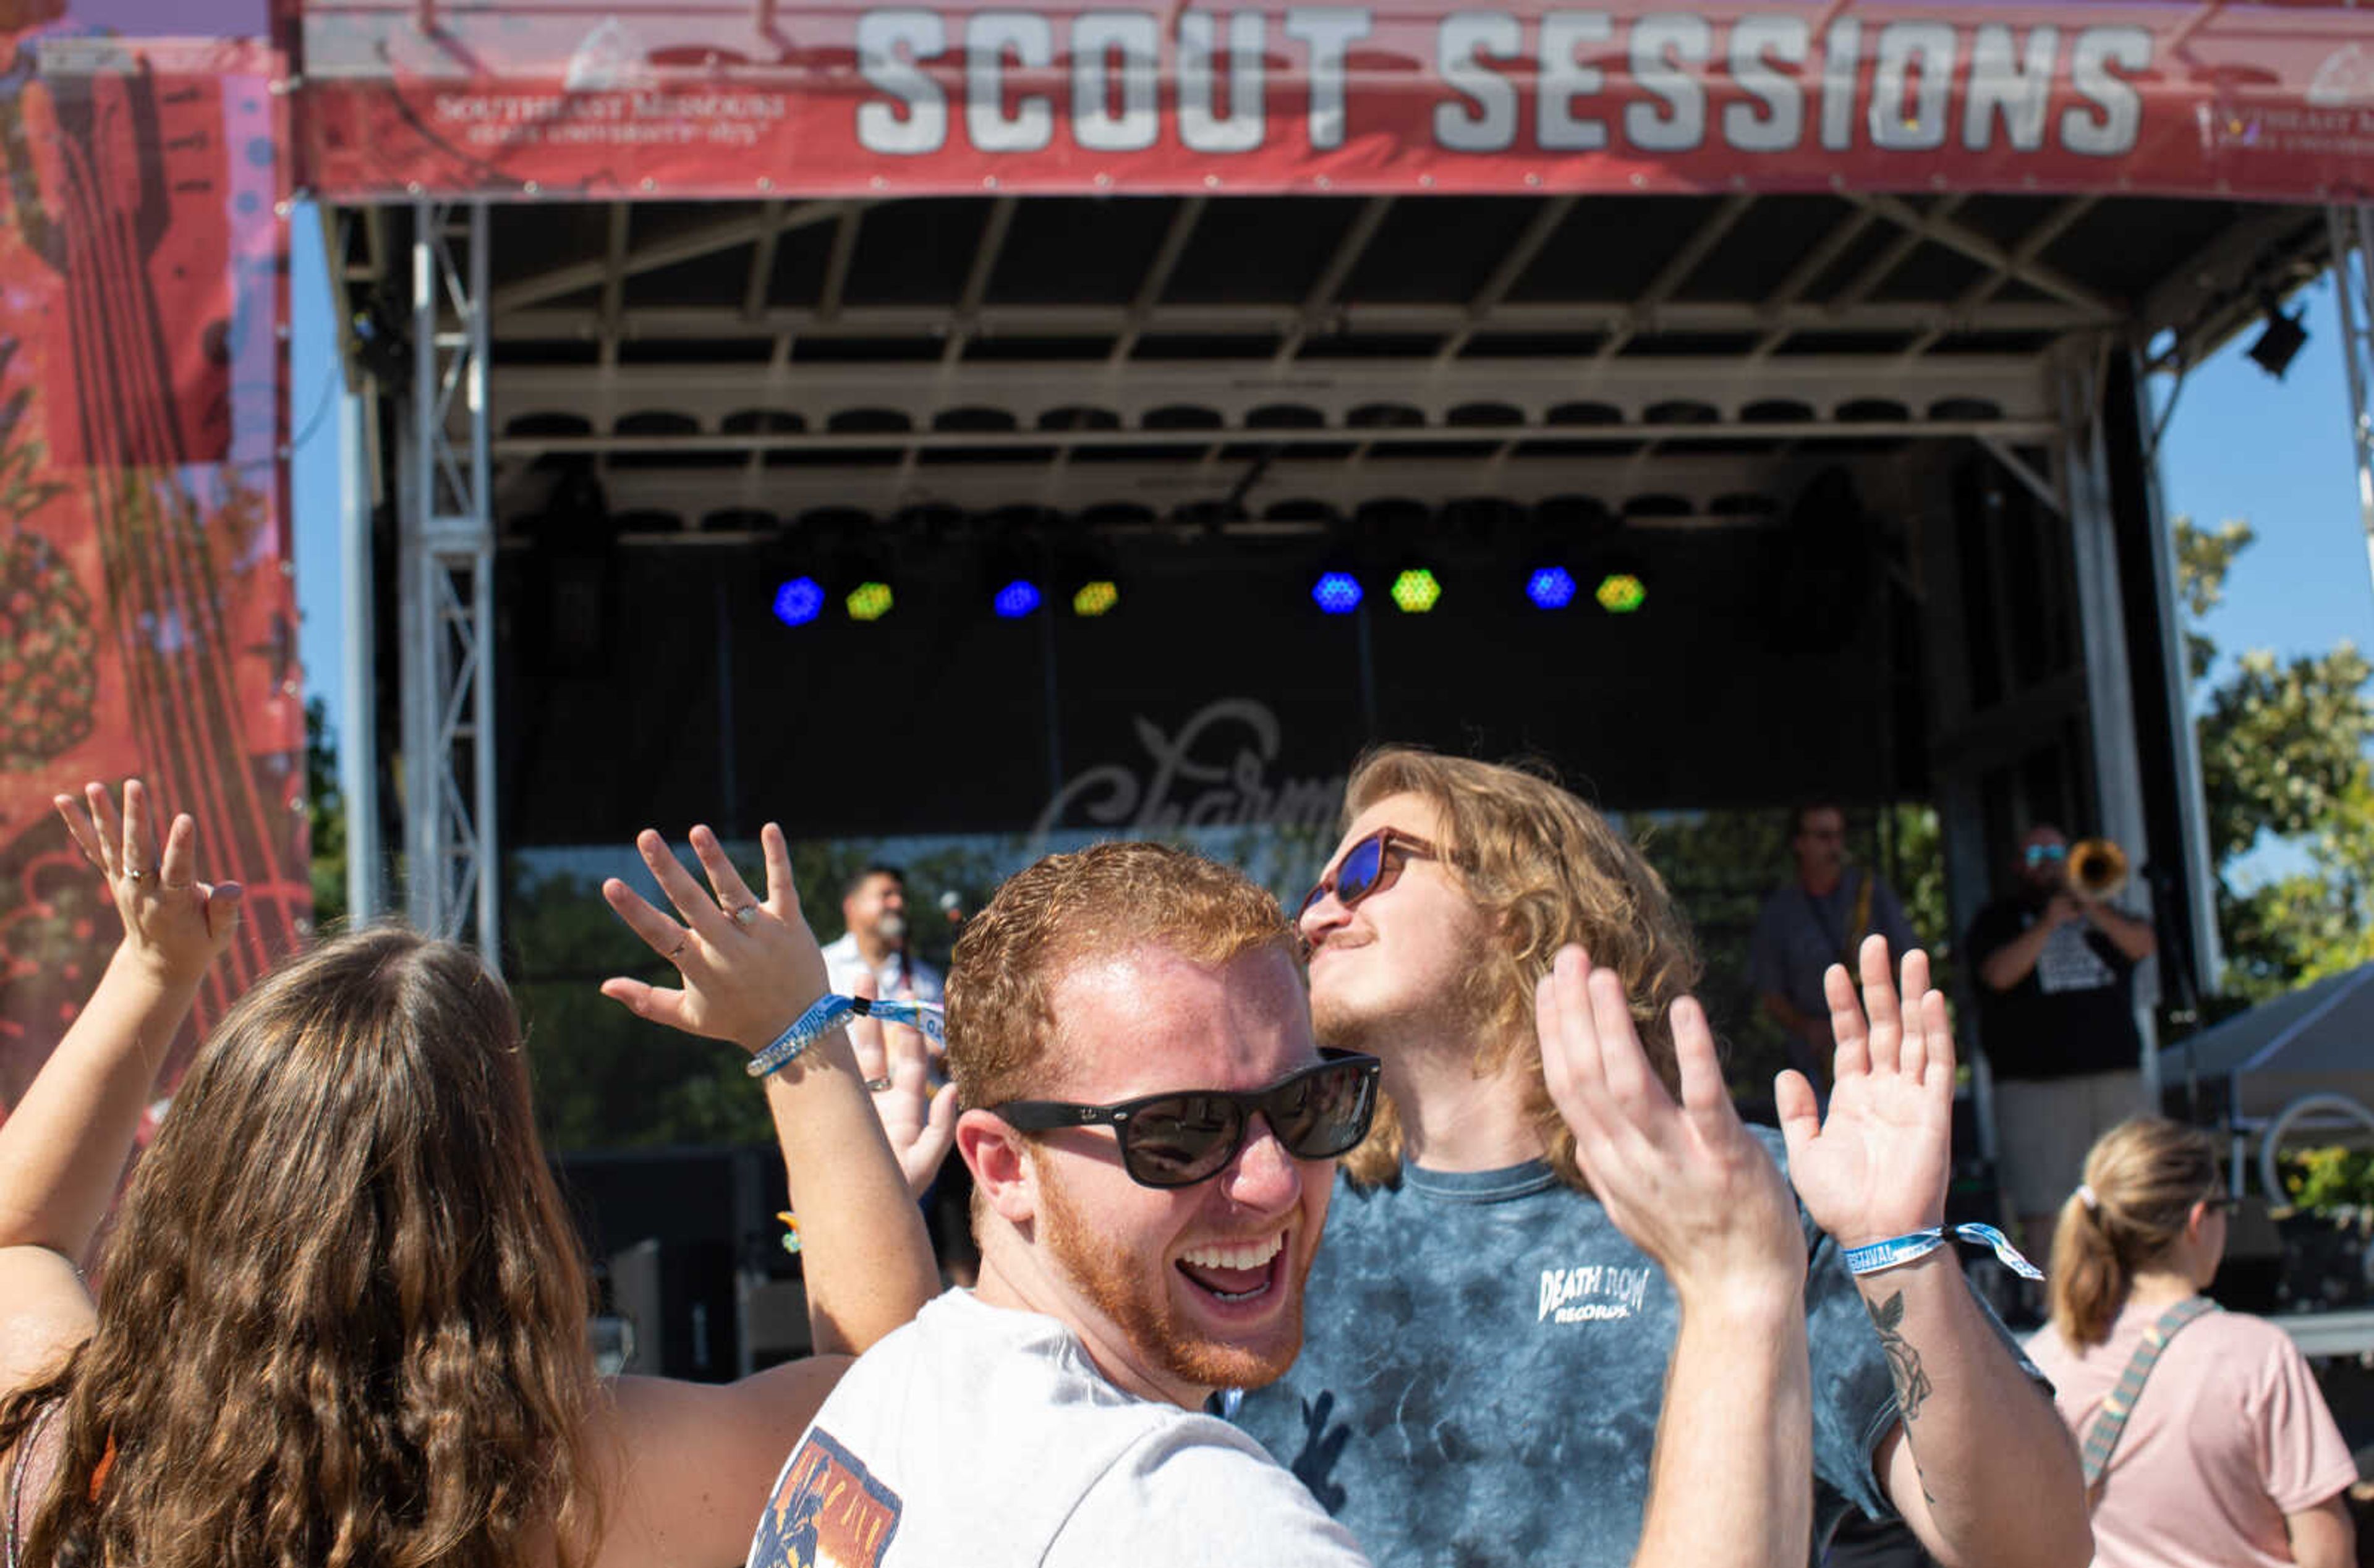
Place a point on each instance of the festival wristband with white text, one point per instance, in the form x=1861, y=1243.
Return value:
x=829, y=1013
x=1887, y=1254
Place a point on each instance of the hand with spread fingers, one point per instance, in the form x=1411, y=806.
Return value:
x=1696, y=1193
x=1879, y=1165
x=750, y=965
x=751, y=968
x=64, y=1142
x=174, y=925
x=1687, y=1182
x=920, y=1122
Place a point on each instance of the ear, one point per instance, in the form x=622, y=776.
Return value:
x=2196, y=1220
x=1002, y=1168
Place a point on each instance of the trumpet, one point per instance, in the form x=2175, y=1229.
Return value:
x=2098, y=868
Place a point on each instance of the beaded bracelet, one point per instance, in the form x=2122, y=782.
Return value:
x=1879, y=1255
x=830, y=1012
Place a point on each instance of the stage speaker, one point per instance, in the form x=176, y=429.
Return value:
x=680, y=1298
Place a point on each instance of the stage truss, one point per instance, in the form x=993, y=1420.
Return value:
x=724, y=370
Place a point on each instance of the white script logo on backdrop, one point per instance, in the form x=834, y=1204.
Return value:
x=1214, y=773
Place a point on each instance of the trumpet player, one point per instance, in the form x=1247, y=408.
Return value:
x=2055, y=961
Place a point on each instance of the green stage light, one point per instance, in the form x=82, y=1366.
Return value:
x=1415, y=591
x=1620, y=593
x=1095, y=597
x=869, y=602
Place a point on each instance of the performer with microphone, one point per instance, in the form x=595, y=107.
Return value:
x=874, y=907
x=2055, y=961
x=879, y=942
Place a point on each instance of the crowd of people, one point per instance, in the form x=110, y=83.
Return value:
x=1413, y=1226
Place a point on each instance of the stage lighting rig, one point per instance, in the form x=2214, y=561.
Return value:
x=1336, y=593
x=1088, y=578
x=1020, y=597
x=1417, y=590
x=2280, y=340
x=799, y=600
x=1015, y=567
x=862, y=578
x=1622, y=591
x=1549, y=587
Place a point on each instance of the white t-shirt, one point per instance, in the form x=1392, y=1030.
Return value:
x=901, y=978
x=983, y=1436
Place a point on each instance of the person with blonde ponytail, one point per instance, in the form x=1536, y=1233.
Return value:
x=2206, y=1442
x=343, y=1310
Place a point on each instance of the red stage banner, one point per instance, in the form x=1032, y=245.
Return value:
x=148, y=622
x=521, y=99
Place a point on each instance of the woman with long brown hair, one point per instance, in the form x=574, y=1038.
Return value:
x=344, y=1320
x=2206, y=1440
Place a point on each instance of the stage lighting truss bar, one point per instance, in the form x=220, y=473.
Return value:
x=448, y=663
x=992, y=320
x=1580, y=435
x=1700, y=479
x=2013, y=388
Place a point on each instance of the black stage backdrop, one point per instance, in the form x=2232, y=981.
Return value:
x=651, y=685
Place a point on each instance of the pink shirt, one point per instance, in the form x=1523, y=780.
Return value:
x=2229, y=1436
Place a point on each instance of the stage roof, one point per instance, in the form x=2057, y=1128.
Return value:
x=740, y=363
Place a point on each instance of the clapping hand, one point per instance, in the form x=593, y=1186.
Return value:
x=750, y=967
x=174, y=926
x=1687, y=1183
x=920, y=1123
x=1877, y=1168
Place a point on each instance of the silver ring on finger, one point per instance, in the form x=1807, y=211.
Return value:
x=744, y=915
x=676, y=951
x=138, y=876
x=877, y=1084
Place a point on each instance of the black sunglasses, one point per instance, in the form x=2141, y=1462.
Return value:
x=1191, y=1135
x=1370, y=866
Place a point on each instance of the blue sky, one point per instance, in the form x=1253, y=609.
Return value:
x=2240, y=445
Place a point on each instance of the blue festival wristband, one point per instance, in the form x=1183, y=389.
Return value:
x=830, y=1012
x=1894, y=1250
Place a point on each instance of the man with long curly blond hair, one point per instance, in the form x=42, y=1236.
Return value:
x=1485, y=1348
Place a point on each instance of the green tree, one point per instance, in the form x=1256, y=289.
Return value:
x=2282, y=758
x=325, y=816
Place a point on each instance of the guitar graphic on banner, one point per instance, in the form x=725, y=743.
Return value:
x=119, y=177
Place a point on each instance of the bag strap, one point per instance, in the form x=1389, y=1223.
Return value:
x=2102, y=1434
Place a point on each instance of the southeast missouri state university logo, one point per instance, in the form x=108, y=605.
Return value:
x=828, y=1512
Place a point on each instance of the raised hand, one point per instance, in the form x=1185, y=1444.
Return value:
x=1878, y=1166
x=1687, y=1183
x=919, y=1124
x=174, y=925
x=750, y=965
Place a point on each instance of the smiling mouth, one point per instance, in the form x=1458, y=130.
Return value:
x=1240, y=1272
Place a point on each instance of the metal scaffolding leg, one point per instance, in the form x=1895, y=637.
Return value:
x=449, y=618
x=2353, y=266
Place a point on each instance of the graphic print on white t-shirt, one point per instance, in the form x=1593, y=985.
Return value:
x=828, y=1512
x=2070, y=964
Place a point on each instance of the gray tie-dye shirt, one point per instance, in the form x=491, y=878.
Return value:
x=1483, y=1361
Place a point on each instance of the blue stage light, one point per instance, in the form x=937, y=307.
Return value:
x=798, y=602
x=1336, y=593
x=1550, y=588
x=1016, y=599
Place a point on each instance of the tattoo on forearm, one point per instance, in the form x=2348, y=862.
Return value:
x=1912, y=1387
